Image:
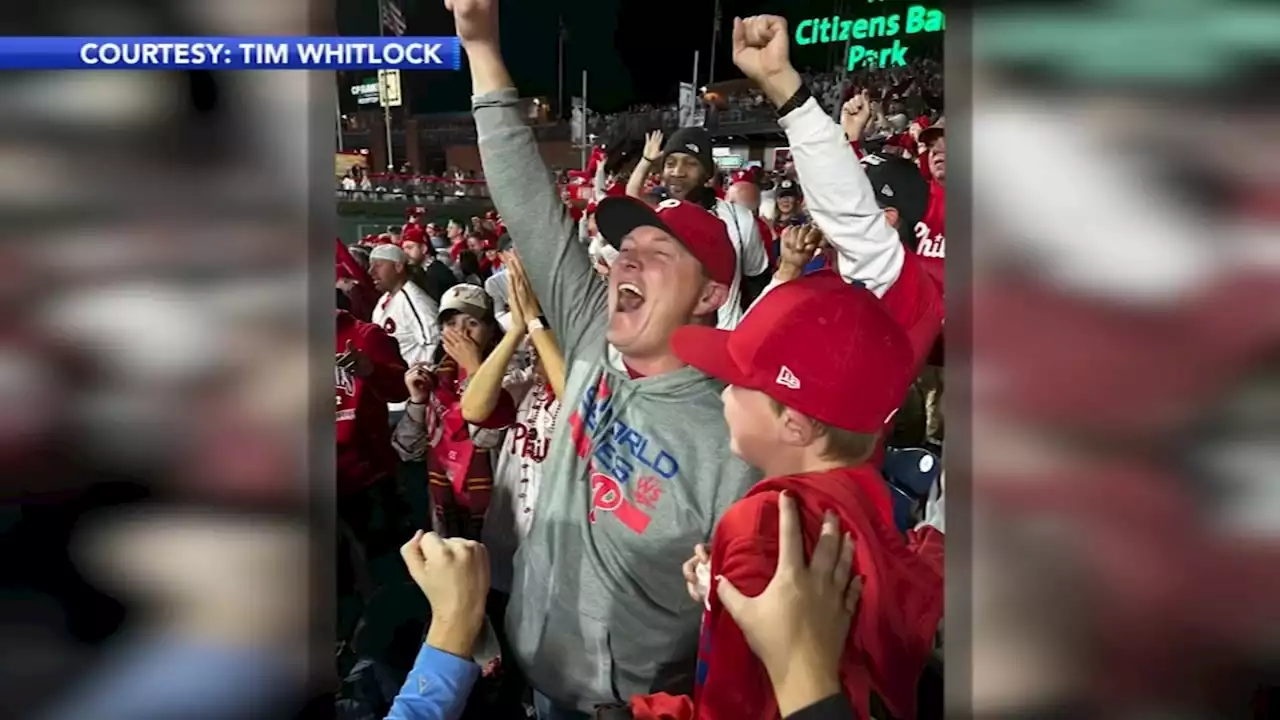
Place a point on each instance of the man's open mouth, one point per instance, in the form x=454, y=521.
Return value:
x=630, y=297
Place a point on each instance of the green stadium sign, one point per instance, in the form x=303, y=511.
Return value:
x=916, y=20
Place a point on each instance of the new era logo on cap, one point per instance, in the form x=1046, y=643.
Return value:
x=886, y=191
x=855, y=387
x=788, y=379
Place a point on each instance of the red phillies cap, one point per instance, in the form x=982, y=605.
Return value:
x=412, y=234
x=704, y=235
x=818, y=345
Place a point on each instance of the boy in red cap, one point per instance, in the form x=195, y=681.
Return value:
x=810, y=421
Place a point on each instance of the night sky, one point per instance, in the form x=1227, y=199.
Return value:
x=634, y=50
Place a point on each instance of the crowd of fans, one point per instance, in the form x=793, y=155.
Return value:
x=454, y=184
x=670, y=448
x=900, y=94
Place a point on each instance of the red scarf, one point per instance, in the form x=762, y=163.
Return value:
x=460, y=475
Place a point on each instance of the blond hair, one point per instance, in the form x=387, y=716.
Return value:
x=843, y=446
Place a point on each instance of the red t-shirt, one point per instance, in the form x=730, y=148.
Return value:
x=891, y=637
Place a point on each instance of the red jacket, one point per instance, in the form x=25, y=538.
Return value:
x=363, y=428
x=891, y=638
x=931, y=234
x=363, y=297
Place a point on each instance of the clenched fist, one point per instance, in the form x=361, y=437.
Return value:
x=762, y=49
x=475, y=21
x=454, y=575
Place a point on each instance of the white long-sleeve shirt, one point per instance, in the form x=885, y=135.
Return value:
x=752, y=257
x=409, y=316
x=840, y=200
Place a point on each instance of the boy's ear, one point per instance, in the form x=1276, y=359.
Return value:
x=797, y=429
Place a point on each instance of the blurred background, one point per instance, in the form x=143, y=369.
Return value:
x=154, y=438
x=1123, y=181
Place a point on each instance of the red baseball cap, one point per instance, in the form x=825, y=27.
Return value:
x=704, y=235
x=818, y=345
x=413, y=234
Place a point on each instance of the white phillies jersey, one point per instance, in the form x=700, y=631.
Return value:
x=753, y=260
x=409, y=316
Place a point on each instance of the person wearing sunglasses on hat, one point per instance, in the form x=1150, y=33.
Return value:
x=641, y=453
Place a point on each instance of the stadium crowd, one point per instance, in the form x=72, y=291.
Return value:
x=669, y=447
x=899, y=95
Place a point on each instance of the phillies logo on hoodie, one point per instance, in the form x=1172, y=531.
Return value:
x=620, y=455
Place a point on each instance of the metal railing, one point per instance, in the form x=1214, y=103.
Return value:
x=388, y=187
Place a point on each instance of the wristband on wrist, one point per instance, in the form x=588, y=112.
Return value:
x=802, y=95
x=538, y=323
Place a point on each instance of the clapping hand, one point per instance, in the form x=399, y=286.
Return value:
x=522, y=296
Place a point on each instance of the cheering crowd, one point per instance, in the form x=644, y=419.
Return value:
x=680, y=447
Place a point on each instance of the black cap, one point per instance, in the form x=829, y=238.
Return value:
x=693, y=141
x=898, y=184
x=788, y=188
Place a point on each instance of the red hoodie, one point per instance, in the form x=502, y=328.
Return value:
x=363, y=297
x=891, y=638
x=363, y=429
x=931, y=234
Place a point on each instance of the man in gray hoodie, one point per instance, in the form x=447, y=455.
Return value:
x=640, y=467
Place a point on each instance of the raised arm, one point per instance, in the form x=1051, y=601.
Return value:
x=838, y=194
x=484, y=388
x=520, y=183
x=650, y=155
x=526, y=305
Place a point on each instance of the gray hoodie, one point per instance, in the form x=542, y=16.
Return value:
x=639, y=471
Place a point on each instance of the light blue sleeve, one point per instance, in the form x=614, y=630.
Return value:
x=436, y=689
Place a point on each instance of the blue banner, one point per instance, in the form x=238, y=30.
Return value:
x=230, y=53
